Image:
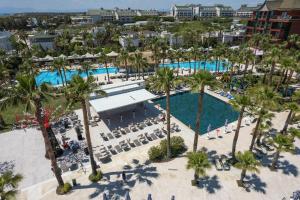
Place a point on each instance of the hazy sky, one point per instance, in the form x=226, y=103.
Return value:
x=44, y=5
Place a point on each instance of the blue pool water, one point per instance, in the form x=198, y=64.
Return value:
x=211, y=66
x=184, y=107
x=53, y=78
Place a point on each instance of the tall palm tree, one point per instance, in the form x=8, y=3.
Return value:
x=248, y=56
x=240, y=103
x=154, y=45
x=104, y=59
x=199, y=162
x=178, y=56
x=79, y=90
x=197, y=83
x=58, y=67
x=264, y=99
x=294, y=133
x=282, y=143
x=27, y=93
x=285, y=64
x=246, y=162
x=164, y=80
x=274, y=54
x=292, y=107
x=139, y=62
x=195, y=53
x=9, y=183
x=123, y=58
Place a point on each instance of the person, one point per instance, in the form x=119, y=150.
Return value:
x=124, y=176
x=218, y=132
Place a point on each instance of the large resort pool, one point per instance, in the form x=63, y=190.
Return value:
x=215, y=112
x=207, y=65
x=53, y=78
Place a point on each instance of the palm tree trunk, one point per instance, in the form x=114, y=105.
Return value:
x=143, y=76
x=49, y=150
x=246, y=68
x=107, y=73
x=287, y=121
x=64, y=72
x=139, y=72
x=2, y=122
x=280, y=81
x=61, y=77
x=271, y=74
x=190, y=69
x=288, y=82
x=255, y=133
x=127, y=73
x=168, y=124
x=195, y=65
x=198, y=118
x=236, y=135
x=243, y=174
x=275, y=159
x=285, y=76
x=178, y=67
x=88, y=137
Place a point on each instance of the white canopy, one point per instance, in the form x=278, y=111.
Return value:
x=48, y=58
x=88, y=55
x=112, y=54
x=62, y=56
x=121, y=100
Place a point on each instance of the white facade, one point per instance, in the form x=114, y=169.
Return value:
x=129, y=39
x=171, y=38
x=182, y=12
x=5, y=43
x=81, y=20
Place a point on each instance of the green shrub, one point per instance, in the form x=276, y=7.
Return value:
x=155, y=153
x=96, y=178
x=158, y=153
x=64, y=189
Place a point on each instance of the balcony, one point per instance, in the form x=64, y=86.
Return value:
x=281, y=19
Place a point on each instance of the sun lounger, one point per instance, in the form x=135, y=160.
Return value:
x=142, y=138
x=118, y=149
x=110, y=136
x=136, y=142
x=122, y=130
x=148, y=123
x=153, y=136
x=224, y=162
x=159, y=134
x=111, y=149
x=104, y=137
x=116, y=133
x=64, y=167
x=133, y=128
x=130, y=142
x=148, y=137
x=164, y=130
x=127, y=130
x=218, y=164
x=124, y=145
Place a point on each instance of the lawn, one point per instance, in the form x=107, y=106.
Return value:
x=11, y=112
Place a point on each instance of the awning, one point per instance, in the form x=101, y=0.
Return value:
x=121, y=100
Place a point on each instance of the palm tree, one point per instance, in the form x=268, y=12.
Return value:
x=154, y=46
x=274, y=54
x=58, y=67
x=246, y=162
x=240, y=103
x=79, y=90
x=197, y=83
x=282, y=143
x=292, y=107
x=195, y=53
x=178, y=56
x=248, y=56
x=9, y=184
x=103, y=59
x=295, y=133
x=27, y=93
x=124, y=57
x=139, y=62
x=264, y=99
x=285, y=64
x=164, y=80
x=199, y=162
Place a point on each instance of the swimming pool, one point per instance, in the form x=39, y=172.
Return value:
x=184, y=107
x=211, y=65
x=53, y=78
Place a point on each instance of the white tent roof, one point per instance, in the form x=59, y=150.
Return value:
x=48, y=58
x=62, y=56
x=112, y=54
x=121, y=100
x=88, y=55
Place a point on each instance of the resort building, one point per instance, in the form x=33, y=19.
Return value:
x=280, y=18
x=46, y=41
x=5, y=43
x=129, y=39
x=81, y=20
x=101, y=15
x=224, y=11
x=182, y=12
x=172, y=39
x=207, y=11
x=147, y=13
x=125, y=15
x=246, y=11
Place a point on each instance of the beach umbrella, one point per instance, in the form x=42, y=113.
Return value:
x=149, y=197
x=112, y=54
x=127, y=197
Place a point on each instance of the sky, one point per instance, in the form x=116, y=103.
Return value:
x=83, y=5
